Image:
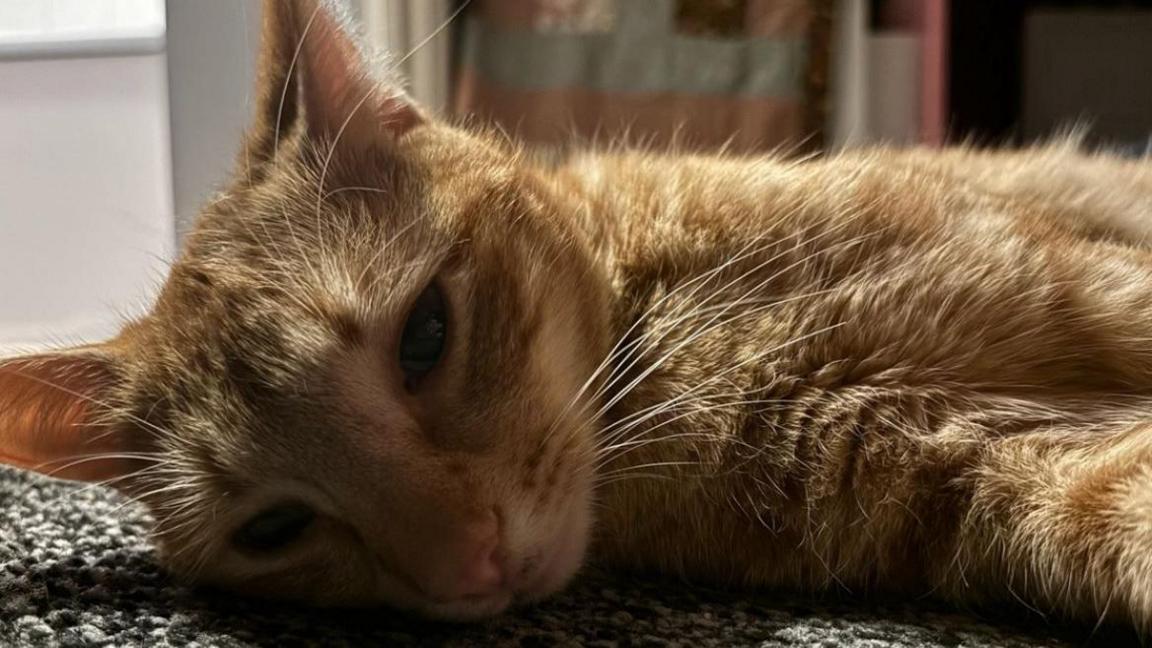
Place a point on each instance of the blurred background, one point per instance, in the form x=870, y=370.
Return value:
x=118, y=118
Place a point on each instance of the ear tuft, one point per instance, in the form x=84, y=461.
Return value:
x=51, y=416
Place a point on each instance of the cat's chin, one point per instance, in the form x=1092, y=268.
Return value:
x=471, y=608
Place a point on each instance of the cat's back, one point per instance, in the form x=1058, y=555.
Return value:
x=912, y=266
x=1056, y=189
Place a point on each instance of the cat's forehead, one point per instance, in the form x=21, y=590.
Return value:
x=409, y=198
x=277, y=276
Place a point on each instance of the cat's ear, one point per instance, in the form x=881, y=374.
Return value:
x=52, y=419
x=313, y=74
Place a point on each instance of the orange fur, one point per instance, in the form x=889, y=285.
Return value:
x=911, y=371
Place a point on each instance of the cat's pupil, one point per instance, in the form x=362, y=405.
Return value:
x=424, y=335
x=274, y=528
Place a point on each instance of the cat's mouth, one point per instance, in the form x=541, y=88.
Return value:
x=530, y=576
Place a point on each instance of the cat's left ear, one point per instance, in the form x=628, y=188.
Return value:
x=53, y=416
x=313, y=73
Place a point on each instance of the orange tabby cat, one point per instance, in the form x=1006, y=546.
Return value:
x=400, y=363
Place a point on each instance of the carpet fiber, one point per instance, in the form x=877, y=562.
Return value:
x=76, y=570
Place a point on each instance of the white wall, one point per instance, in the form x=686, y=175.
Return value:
x=85, y=195
x=210, y=81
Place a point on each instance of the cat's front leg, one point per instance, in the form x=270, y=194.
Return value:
x=1061, y=524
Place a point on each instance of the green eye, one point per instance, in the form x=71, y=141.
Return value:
x=424, y=335
x=274, y=528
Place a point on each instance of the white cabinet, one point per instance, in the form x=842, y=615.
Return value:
x=86, y=217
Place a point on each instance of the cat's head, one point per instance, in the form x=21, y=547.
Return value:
x=359, y=384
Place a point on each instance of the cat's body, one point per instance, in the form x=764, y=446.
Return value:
x=401, y=363
x=907, y=376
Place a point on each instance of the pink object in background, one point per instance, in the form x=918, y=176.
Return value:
x=929, y=19
x=934, y=59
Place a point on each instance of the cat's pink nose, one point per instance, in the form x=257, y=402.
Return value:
x=482, y=571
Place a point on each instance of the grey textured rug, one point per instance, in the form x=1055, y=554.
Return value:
x=75, y=570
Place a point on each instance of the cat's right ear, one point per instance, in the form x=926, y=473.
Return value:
x=53, y=419
x=313, y=75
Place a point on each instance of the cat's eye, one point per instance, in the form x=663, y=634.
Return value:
x=425, y=332
x=274, y=528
